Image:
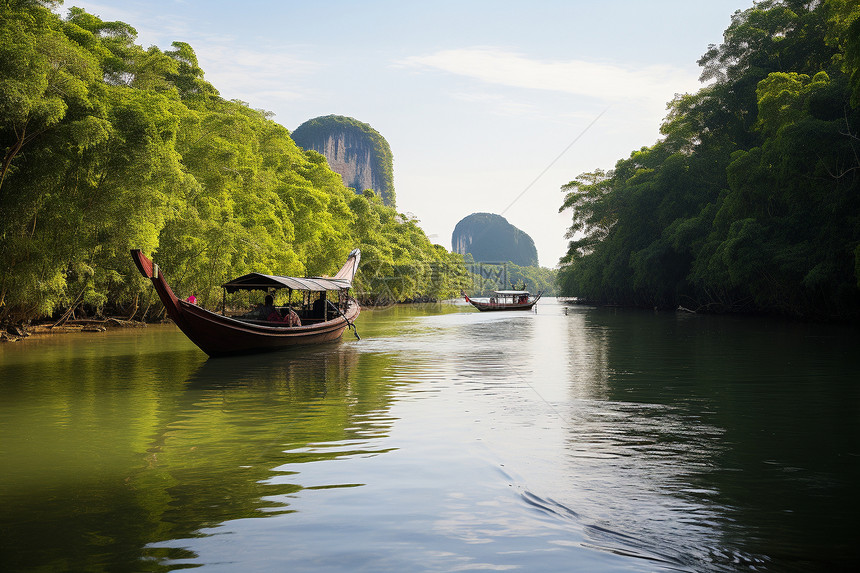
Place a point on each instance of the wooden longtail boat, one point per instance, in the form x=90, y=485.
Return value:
x=220, y=335
x=505, y=300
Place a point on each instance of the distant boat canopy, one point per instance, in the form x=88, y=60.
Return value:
x=505, y=300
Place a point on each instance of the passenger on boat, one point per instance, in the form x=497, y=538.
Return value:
x=318, y=308
x=265, y=311
x=292, y=319
x=268, y=310
x=321, y=306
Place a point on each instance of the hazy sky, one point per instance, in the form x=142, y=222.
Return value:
x=487, y=105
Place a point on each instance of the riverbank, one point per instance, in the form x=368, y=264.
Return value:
x=15, y=333
x=18, y=332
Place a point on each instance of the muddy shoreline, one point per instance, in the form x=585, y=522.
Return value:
x=15, y=333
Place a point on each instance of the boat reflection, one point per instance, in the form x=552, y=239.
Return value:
x=242, y=421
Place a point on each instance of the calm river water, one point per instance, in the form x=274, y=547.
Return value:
x=592, y=440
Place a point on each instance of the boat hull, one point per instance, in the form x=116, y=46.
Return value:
x=218, y=335
x=487, y=306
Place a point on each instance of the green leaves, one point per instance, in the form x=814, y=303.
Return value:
x=131, y=148
x=751, y=201
x=783, y=98
x=42, y=74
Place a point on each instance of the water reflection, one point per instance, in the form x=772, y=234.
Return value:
x=119, y=450
x=630, y=465
x=243, y=421
x=715, y=425
x=444, y=440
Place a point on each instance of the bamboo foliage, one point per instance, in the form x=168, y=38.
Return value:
x=108, y=147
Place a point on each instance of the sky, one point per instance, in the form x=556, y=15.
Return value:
x=488, y=106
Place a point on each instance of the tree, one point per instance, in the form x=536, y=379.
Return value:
x=42, y=74
x=129, y=148
x=749, y=201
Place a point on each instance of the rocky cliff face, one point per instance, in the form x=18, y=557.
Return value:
x=491, y=239
x=354, y=150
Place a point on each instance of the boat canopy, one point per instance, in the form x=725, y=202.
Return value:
x=258, y=281
x=510, y=292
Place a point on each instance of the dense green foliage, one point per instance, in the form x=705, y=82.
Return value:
x=490, y=238
x=362, y=141
x=751, y=200
x=108, y=146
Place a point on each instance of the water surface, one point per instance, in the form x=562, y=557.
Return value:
x=567, y=439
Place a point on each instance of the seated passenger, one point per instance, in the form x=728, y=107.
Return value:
x=324, y=308
x=268, y=310
x=318, y=308
x=292, y=319
x=265, y=311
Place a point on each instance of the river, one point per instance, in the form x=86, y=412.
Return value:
x=567, y=439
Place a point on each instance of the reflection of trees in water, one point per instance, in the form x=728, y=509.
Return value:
x=81, y=420
x=178, y=446
x=703, y=434
x=240, y=418
x=639, y=460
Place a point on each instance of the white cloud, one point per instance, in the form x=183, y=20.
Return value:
x=268, y=70
x=499, y=105
x=604, y=81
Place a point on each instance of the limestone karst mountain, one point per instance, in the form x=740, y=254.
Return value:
x=354, y=150
x=491, y=238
